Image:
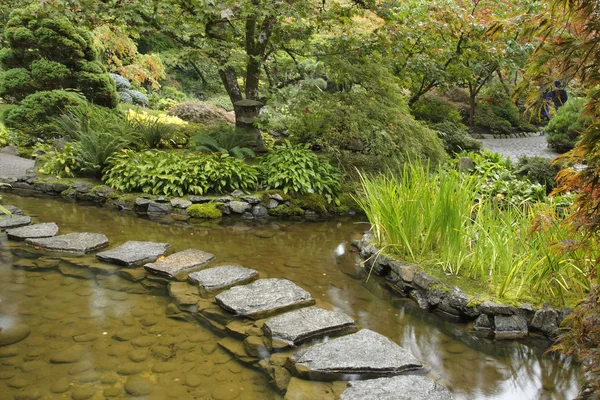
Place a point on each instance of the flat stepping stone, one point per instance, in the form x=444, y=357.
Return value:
x=79, y=243
x=222, y=277
x=13, y=221
x=296, y=327
x=413, y=387
x=180, y=261
x=35, y=231
x=133, y=253
x=264, y=298
x=365, y=354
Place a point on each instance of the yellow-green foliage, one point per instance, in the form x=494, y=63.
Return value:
x=284, y=211
x=206, y=210
x=312, y=201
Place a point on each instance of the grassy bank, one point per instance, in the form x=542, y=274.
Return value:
x=440, y=220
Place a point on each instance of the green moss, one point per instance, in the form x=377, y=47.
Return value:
x=206, y=210
x=311, y=201
x=284, y=211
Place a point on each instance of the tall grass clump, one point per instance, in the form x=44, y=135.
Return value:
x=439, y=219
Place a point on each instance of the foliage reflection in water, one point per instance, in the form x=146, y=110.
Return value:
x=182, y=360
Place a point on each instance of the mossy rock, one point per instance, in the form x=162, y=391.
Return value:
x=206, y=210
x=284, y=211
x=312, y=201
x=267, y=193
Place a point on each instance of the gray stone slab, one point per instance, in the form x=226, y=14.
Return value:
x=35, y=231
x=78, y=243
x=404, y=387
x=222, y=277
x=365, y=354
x=13, y=221
x=296, y=327
x=510, y=327
x=133, y=253
x=263, y=298
x=180, y=261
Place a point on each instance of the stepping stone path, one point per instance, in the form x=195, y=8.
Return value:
x=13, y=221
x=79, y=243
x=362, y=355
x=365, y=354
x=211, y=280
x=413, y=387
x=179, y=262
x=263, y=298
x=35, y=231
x=296, y=327
x=133, y=254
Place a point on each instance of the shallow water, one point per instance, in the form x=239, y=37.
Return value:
x=181, y=360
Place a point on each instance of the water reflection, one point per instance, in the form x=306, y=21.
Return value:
x=316, y=256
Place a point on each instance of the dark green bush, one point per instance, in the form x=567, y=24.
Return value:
x=455, y=138
x=294, y=168
x=34, y=116
x=434, y=109
x=539, y=170
x=167, y=173
x=46, y=52
x=486, y=118
x=565, y=127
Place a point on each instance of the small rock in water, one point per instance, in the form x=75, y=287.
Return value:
x=70, y=355
x=133, y=253
x=83, y=393
x=14, y=334
x=138, y=386
x=60, y=386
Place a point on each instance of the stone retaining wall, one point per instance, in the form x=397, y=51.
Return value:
x=498, y=320
x=237, y=203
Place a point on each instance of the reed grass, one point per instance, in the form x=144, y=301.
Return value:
x=520, y=251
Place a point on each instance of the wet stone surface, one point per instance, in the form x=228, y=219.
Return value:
x=222, y=277
x=179, y=262
x=79, y=243
x=133, y=253
x=263, y=298
x=365, y=354
x=35, y=231
x=296, y=327
x=13, y=221
x=411, y=387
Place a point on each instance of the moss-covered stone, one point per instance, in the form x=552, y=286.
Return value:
x=284, y=211
x=267, y=193
x=312, y=202
x=206, y=210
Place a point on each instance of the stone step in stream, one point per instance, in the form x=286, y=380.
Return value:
x=271, y=324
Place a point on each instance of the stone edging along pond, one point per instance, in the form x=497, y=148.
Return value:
x=498, y=320
x=248, y=206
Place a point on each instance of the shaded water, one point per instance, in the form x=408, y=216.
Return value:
x=182, y=360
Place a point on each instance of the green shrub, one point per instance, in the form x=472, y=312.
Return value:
x=63, y=163
x=565, y=127
x=455, y=138
x=486, y=118
x=206, y=210
x=34, y=115
x=294, y=168
x=152, y=132
x=434, y=109
x=46, y=52
x=201, y=113
x=167, y=173
x=539, y=170
x=225, y=139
